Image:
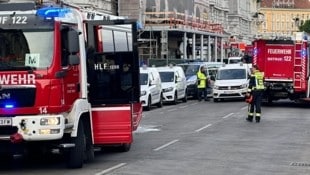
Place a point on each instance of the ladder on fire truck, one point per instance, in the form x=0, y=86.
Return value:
x=298, y=65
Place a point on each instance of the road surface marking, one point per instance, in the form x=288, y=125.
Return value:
x=165, y=145
x=170, y=110
x=111, y=169
x=183, y=106
x=228, y=115
x=200, y=129
x=246, y=107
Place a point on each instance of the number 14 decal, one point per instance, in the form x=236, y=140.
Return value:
x=43, y=110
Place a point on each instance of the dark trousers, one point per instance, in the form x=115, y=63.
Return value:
x=202, y=92
x=256, y=103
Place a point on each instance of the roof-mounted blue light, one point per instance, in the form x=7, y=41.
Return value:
x=9, y=106
x=52, y=12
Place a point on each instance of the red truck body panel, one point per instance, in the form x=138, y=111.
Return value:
x=115, y=123
x=283, y=61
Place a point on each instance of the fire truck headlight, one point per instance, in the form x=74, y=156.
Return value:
x=49, y=131
x=50, y=121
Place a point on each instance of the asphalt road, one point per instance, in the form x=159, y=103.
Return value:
x=201, y=138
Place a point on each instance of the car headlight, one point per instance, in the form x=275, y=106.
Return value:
x=244, y=86
x=143, y=93
x=215, y=87
x=168, y=89
x=191, y=82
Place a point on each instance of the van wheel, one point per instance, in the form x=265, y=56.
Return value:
x=175, y=101
x=160, y=103
x=185, y=97
x=149, y=102
x=75, y=156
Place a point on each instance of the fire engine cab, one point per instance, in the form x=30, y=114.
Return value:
x=285, y=63
x=69, y=80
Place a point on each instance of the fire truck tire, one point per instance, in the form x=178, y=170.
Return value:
x=125, y=147
x=75, y=156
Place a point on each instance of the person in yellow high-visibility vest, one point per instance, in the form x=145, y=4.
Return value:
x=202, y=84
x=256, y=88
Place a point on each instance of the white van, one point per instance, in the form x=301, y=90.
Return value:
x=234, y=60
x=231, y=82
x=150, y=85
x=173, y=82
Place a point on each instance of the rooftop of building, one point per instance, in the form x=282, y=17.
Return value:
x=296, y=4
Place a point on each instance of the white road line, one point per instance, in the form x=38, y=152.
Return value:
x=246, y=107
x=228, y=115
x=183, y=106
x=200, y=129
x=165, y=145
x=111, y=169
x=170, y=110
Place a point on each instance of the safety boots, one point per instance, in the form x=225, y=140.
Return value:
x=249, y=118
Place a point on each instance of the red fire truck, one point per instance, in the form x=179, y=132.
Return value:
x=286, y=68
x=69, y=80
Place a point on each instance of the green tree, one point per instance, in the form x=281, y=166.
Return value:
x=305, y=27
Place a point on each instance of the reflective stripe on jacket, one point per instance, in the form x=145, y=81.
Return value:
x=202, y=80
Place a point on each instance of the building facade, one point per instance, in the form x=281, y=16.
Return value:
x=283, y=17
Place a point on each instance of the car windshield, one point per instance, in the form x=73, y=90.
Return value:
x=191, y=70
x=167, y=76
x=231, y=74
x=21, y=50
x=143, y=79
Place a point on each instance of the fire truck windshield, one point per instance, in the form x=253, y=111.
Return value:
x=24, y=49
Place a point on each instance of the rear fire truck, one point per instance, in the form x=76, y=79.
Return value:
x=69, y=80
x=285, y=63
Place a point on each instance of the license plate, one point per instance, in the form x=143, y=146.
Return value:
x=5, y=121
x=229, y=92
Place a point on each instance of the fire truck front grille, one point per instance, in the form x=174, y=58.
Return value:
x=7, y=130
x=17, y=97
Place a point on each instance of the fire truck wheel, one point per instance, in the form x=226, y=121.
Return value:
x=75, y=157
x=125, y=147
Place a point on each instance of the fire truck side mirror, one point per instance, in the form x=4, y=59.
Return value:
x=73, y=41
x=74, y=60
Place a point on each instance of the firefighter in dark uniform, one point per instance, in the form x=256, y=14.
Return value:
x=256, y=88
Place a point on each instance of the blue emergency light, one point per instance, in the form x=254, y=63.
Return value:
x=303, y=52
x=52, y=12
x=9, y=106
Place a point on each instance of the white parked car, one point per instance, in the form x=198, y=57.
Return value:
x=231, y=82
x=151, y=89
x=173, y=82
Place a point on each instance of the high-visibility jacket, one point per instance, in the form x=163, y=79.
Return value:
x=202, y=80
x=256, y=81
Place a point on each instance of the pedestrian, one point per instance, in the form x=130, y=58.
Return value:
x=202, y=84
x=256, y=88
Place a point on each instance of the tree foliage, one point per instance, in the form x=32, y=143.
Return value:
x=305, y=27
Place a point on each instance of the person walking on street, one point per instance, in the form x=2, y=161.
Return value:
x=256, y=88
x=202, y=84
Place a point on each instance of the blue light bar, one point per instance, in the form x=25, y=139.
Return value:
x=9, y=106
x=52, y=12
